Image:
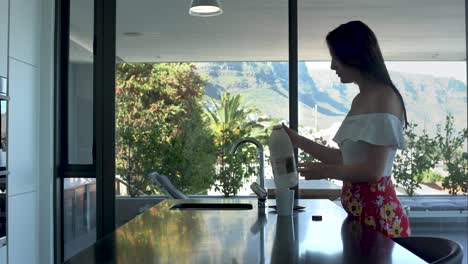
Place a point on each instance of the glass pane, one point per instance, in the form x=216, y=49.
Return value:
x=3, y=86
x=428, y=67
x=3, y=202
x=80, y=83
x=435, y=96
x=79, y=214
x=205, y=83
x=3, y=135
x=3, y=167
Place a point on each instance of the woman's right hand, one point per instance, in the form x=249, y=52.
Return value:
x=293, y=135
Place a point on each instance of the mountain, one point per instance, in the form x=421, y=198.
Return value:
x=265, y=85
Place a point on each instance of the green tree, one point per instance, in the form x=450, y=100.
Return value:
x=160, y=127
x=231, y=112
x=448, y=140
x=412, y=163
x=449, y=146
x=230, y=121
x=430, y=176
x=457, y=181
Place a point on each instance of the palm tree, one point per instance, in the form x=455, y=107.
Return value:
x=230, y=120
x=232, y=114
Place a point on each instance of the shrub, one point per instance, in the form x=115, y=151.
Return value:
x=411, y=163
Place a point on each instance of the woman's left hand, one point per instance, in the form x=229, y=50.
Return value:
x=314, y=170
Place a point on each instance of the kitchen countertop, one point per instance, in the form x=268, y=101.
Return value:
x=161, y=235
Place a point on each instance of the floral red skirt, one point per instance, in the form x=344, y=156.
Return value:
x=376, y=205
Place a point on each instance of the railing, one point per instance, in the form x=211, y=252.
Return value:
x=119, y=181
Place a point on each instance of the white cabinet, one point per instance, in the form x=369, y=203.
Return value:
x=3, y=38
x=25, y=30
x=22, y=228
x=3, y=255
x=23, y=128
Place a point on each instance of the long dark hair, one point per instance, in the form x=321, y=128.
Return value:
x=354, y=44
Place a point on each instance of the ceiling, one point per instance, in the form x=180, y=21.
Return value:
x=257, y=30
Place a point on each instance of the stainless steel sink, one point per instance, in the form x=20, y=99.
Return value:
x=212, y=206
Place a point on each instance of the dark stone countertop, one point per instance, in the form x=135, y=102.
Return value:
x=161, y=235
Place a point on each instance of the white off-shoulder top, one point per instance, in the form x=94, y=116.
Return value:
x=357, y=132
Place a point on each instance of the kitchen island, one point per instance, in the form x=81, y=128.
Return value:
x=165, y=235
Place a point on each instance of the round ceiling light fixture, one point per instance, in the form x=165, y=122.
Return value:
x=205, y=8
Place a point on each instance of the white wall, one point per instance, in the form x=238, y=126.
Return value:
x=22, y=229
x=30, y=132
x=3, y=37
x=23, y=132
x=4, y=9
x=46, y=135
x=25, y=30
x=23, y=162
x=23, y=127
x=3, y=254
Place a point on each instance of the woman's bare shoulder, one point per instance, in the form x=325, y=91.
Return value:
x=386, y=100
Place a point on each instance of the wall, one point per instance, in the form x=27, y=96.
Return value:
x=46, y=135
x=30, y=129
x=4, y=9
x=3, y=254
x=24, y=42
x=3, y=37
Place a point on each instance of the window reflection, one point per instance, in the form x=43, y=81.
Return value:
x=79, y=212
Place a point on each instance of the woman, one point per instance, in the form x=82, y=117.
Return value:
x=368, y=137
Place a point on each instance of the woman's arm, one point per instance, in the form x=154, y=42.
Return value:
x=368, y=171
x=324, y=154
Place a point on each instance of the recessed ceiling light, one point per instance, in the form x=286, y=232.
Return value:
x=132, y=34
x=205, y=8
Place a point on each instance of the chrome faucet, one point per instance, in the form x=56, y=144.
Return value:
x=260, y=155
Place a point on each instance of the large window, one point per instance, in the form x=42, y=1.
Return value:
x=79, y=190
x=188, y=88
x=435, y=98
x=423, y=44
x=80, y=82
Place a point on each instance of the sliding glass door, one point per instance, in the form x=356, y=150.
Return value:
x=82, y=95
x=424, y=47
x=189, y=88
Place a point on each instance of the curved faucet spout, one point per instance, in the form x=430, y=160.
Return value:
x=246, y=140
x=259, y=154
